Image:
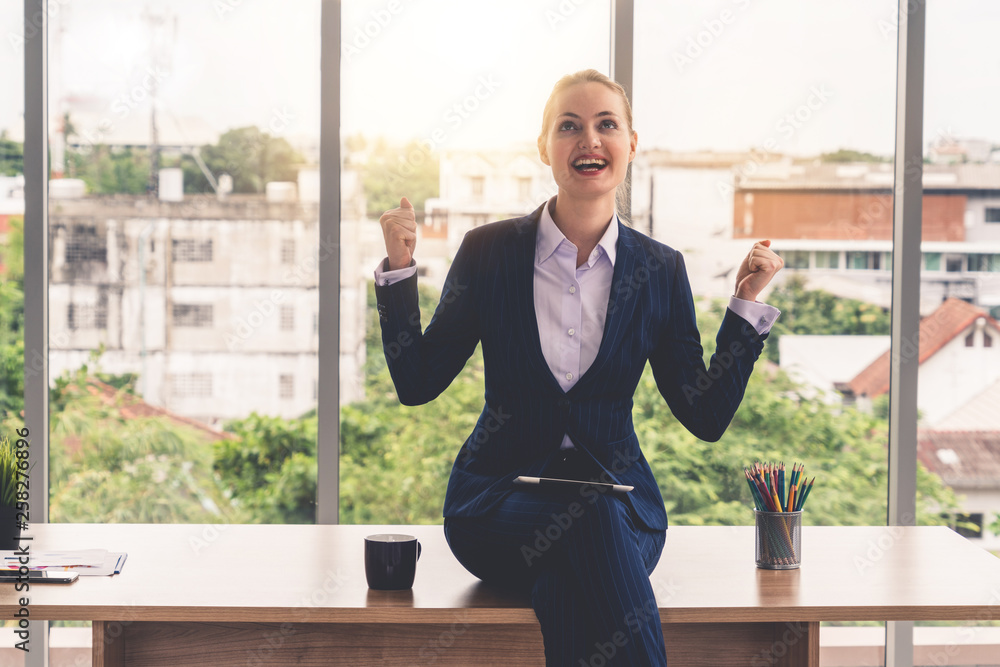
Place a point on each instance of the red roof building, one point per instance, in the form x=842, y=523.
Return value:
x=959, y=356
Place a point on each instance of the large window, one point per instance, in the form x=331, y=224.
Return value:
x=743, y=142
x=959, y=376
x=182, y=156
x=184, y=253
x=438, y=106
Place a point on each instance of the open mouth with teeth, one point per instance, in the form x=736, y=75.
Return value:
x=590, y=165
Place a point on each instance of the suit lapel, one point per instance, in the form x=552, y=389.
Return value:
x=621, y=303
x=523, y=272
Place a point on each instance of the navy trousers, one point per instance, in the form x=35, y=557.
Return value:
x=585, y=560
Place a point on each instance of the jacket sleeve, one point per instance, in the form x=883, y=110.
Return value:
x=704, y=399
x=423, y=364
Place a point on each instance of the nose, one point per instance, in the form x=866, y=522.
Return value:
x=590, y=139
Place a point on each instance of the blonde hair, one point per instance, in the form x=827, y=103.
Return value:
x=590, y=76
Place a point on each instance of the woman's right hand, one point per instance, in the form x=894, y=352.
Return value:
x=399, y=227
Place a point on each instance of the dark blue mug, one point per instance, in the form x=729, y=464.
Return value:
x=391, y=561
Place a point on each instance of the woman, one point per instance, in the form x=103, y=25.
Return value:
x=569, y=305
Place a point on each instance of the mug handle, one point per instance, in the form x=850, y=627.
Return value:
x=419, y=549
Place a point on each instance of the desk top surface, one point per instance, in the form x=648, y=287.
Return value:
x=296, y=573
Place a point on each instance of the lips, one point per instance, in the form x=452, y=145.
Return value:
x=590, y=164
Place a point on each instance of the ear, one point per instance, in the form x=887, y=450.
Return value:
x=634, y=143
x=543, y=154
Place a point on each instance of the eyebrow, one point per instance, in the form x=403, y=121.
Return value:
x=602, y=113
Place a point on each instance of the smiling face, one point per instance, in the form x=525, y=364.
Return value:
x=587, y=141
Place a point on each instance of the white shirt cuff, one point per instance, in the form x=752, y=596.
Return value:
x=386, y=278
x=760, y=315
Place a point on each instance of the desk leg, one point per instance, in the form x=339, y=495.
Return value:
x=795, y=644
x=108, y=644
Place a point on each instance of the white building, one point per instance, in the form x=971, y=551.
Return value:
x=213, y=303
x=959, y=357
x=478, y=187
x=968, y=462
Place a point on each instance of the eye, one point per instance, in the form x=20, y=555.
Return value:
x=609, y=124
x=567, y=125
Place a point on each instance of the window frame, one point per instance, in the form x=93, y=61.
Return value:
x=906, y=263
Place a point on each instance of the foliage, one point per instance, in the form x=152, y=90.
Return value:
x=391, y=171
x=108, y=468
x=270, y=470
x=251, y=157
x=111, y=170
x=395, y=460
x=12, y=321
x=817, y=312
x=8, y=472
x=850, y=155
x=11, y=156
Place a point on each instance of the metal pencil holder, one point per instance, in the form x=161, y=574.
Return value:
x=778, y=540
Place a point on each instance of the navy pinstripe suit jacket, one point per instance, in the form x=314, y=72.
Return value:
x=488, y=296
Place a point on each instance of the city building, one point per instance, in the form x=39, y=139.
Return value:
x=212, y=301
x=958, y=350
x=968, y=462
x=834, y=223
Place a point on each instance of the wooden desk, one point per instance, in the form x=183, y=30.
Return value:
x=282, y=595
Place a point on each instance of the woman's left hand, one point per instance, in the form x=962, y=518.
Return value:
x=756, y=271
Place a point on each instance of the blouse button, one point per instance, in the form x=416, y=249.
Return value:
x=572, y=289
x=569, y=376
x=571, y=332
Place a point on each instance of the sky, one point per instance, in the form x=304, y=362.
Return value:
x=801, y=75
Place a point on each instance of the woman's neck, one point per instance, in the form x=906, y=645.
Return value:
x=582, y=221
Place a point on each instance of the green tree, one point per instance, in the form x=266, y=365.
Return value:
x=395, y=171
x=270, y=470
x=395, y=460
x=250, y=156
x=11, y=156
x=12, y=321
x=850, y=155
x=111, y=170
x=816, y=312
x=107, y=467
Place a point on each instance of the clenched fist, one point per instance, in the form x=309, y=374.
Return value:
x=399, y=227
x=756, y=271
